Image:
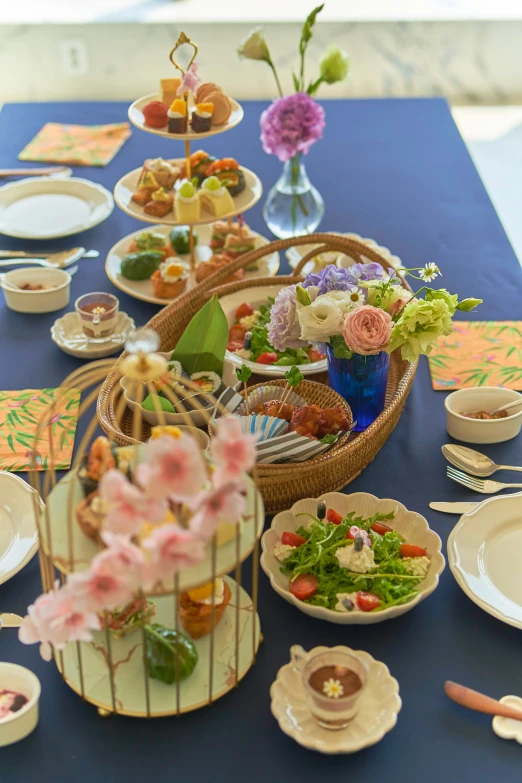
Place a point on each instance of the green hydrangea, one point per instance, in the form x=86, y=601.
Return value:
x=421, y=323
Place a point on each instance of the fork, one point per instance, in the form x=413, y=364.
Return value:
x=486, y=487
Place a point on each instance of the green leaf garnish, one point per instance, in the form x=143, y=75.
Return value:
x=171, y=655
x=243, y=373
x=202, y=346
x=293, y=377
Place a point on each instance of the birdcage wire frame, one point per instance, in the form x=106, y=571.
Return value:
x=91, y=669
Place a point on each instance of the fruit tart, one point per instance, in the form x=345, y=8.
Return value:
x=202, y=608
x=170, y=279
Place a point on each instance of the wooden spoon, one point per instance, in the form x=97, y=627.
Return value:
x=43, y=172
x=474, y=700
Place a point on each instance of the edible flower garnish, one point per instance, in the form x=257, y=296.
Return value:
x=333, y=689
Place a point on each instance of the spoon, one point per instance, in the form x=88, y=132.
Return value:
x=472, y=461
x=478, y=702
x=508, y=406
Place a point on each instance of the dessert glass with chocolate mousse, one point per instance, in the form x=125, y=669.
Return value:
x=333, y=680
x=98, y=314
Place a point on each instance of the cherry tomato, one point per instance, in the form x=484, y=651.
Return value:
x=234, y=346
x=334, y=517
x=292, y=539
x=244, y=310
x=237, y=333
x=304, y=586
x=381, y=529
x=313, y=355
x=267, y=358
x=367, y=602
x=410, y=550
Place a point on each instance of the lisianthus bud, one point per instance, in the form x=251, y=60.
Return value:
x=254, y=47
x=302, y=295
x=468, y=304
x=334, y=65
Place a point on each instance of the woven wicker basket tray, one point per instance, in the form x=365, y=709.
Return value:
x=280, y=485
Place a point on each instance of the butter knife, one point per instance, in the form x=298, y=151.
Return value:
x=453, y=508
x=8, y=620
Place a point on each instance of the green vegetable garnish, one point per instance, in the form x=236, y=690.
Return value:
x=140, y=266
x=294, y=377
x=243, y=373
x=180, y=239
x=171, y=655
x=150, y=241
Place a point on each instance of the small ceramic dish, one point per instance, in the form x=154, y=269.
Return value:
x=507, y=728
x=482, y=398
x=377, y=714
x=197, y=418
x=19, y=724
x=412, y=526
x=68, y=335
x=54, y=296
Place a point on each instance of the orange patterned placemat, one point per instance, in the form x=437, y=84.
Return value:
x=20, y=415
x=478, y=353
x=76, y=145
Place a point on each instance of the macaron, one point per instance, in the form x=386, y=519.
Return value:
x=222, y=107
x=204, y=89
x=155, y=114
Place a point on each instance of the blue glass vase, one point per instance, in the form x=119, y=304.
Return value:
x=361, y=381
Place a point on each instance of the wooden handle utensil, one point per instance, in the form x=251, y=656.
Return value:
x=474, y=700
x=43, y=172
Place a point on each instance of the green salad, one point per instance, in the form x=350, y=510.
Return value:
x=350, y=563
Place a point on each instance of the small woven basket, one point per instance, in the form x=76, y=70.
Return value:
x=280, y=485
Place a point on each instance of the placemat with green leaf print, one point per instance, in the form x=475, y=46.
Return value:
x=478, y=353
x=76, y=145
x=20, y=415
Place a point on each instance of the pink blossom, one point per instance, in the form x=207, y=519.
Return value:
x=55, y=619
x=113, y=575
x=190, y=81
x=233, y=452
x=174, y=468
x=400, y=303
x=291, y=124
x=367, y=330
x=129, y=507
x=224, y=503
x=172, y=548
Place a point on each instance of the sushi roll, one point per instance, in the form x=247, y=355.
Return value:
x=171, y=378
x=202, y=117
x=177, y=115
x=208, y=382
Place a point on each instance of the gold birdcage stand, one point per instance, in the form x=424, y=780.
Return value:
x=110, y=672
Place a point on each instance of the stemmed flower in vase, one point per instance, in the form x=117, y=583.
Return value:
x=289, y=127
x=362, y=314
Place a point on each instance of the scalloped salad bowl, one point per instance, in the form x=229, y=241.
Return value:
x=412, y=526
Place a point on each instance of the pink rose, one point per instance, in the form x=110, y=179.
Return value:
x=367, y=330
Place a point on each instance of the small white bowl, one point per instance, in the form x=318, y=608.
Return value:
x=482, y=398
x=21, y=723
x=46, y=301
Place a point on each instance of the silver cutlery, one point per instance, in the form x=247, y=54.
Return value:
x=507, y=406
x=454, y=508
x=472, y=461
x=51, y=257
x=62, y=263
x=9, y=620
x=487, y=486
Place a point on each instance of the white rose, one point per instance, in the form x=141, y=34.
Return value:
x=343, y=300
x=320, y=320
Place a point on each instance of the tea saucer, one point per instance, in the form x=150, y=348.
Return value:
x=380, y=704
x=67, y=333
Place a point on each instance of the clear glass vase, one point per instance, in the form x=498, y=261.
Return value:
x=293, y=206
x=361, y=381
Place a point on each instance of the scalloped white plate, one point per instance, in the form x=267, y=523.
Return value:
x=295, y=254
x=380, y=704
x=128, y=185
x=18, y=529
x=135, y=113
x=409, y=524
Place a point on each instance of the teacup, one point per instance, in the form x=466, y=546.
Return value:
x=98, y=314
x=333, y=680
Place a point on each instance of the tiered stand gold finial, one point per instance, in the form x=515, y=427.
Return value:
x=110, y=672
x=121, y=190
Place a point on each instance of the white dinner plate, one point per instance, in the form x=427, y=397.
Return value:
x=128, y=185
x=485, y=557
x=137, y=119
x=257, y=297
x=48, y=208
x=295, y=254
x=18, y=531
x=142, y=289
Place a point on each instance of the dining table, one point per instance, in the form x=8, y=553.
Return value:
x=396, y=171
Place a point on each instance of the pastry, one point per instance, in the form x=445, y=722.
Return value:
x=146, y=187
x=187, y=205
x=160, y=203
x=215, y=197
x=165, y=172
x=169, y=89
x=217, y=262
x=221, y=229
x=205, y=89
x=150, y=241
x=222, y=107
x=170, y=279
x=120, y=622
x=155, y=114
x=100, y=458
x=200, y=162
x=178, y=116
x=90, y=514
x=237, y=244
x=202, y=609
x=228, y=171
x=202, y=117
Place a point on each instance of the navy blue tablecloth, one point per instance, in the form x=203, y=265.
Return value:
x=397, y=171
